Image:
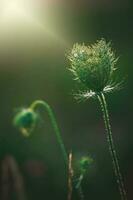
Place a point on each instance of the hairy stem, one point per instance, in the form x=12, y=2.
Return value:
x=37, y=103
x=112, y=150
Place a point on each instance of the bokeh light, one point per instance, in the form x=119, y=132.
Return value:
x=19, y=18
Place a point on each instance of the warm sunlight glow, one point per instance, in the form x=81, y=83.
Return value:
x=16, y=11
x=11, y=9
x=22, y=15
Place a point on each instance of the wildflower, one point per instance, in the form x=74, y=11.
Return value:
x=94, y=67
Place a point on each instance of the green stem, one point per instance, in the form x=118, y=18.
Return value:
x=79, y=186
x=81, y=194
x=81, y=177
x=112, y=150
x=37, y=103
x=33, y=106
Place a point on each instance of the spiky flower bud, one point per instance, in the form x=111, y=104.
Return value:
x=25, y=120
x=85, y=162
x=94, y=66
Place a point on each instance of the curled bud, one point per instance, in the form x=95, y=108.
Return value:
x=85, y=162
x=94, y=66
x=25, y=120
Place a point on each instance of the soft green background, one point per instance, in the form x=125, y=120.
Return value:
x=33, y=66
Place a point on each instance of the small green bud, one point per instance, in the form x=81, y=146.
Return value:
x=85, y=162
x=94, y=66
x=25, y=120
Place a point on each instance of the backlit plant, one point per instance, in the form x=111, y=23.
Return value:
x=83, y=164
x=94, y=67
x=26, y=119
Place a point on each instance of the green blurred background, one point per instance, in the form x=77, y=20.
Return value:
x=33, y=66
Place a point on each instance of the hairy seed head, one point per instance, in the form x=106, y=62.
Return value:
x=93, y=65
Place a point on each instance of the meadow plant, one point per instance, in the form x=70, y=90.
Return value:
x=84, y=164
x=94, y=68
x=26, y=119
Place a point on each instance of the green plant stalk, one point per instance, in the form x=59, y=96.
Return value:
x=78, y=187
x=80, y=192
x=112, y=150
x=37, y=103
x=33, y=106
x=81, y=177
